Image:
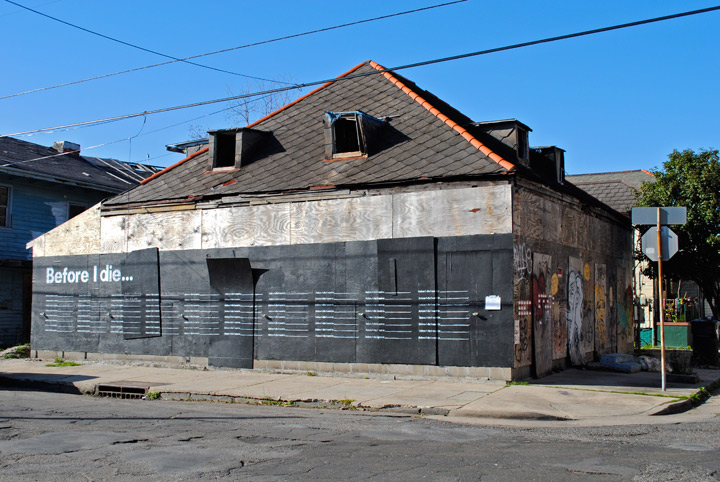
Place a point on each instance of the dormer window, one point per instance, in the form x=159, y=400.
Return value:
x=224, y=149
x=523, y=146
x=234, y=148
x=350, y=134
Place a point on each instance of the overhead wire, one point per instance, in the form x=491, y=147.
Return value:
x=138, y=47
x=139, y=134
x=7, y=14
x=230, y=49
x=376, y=71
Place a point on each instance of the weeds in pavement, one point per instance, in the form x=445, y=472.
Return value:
x=20, y=351
x=515, y=382
x=59, y=362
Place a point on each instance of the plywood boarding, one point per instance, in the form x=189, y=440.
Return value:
x=625, y=307
x=79, y=235
x=169, y=230
x=542, y=314
x=576, y=301
x=603, y=339
x=113, y=238
x=449, y=212
x=353, y=219
x=522, y=302
x=255, y=225
x=453, y=212
x=528, y=212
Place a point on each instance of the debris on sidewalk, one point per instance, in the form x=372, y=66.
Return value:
x=651, y=364
x=620, y=361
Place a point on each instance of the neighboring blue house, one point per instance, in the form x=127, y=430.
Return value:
x=40, y=188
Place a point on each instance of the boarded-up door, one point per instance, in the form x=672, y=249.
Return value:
x=603, y=340
x=232, y=278
x=542, y=315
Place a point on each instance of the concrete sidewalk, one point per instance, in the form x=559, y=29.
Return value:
x=571, y=395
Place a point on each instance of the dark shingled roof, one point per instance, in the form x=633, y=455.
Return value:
x=616, y=189
x=25, y=159
x=426, y=140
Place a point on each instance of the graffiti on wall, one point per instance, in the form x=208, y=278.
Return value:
x=522, y=271
x=542, y=314
x=588, y=307
x=522, y=262
x=601, y=331
x=559, y=320
x=575, y=312
x=624, y=310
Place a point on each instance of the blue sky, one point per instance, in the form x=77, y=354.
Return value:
x=614, y=101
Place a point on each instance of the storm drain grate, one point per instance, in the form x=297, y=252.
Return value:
x=122, y=391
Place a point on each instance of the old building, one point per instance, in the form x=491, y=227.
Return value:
x=618, y=190
x=41, y=188
x=367, y=226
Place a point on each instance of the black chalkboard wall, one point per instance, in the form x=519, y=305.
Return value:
x=409, y=301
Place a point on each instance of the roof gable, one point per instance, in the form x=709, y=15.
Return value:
x=425, y=139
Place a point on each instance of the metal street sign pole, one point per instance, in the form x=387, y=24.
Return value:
x=660, y=216
x=662, y=301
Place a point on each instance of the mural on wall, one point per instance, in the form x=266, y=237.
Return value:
x=542, y=314
x=559, y=316
x=612, y=311
x=588, y=316
x=522, y=271
x=602, y=334
x=624, y=309
x=576, y=297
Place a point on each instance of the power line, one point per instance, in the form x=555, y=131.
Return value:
x=253, y=44
x=138, y=47
x=139, y=134
x=375, y=72
x=40, y=5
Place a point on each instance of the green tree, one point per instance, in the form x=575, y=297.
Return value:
x=691, y=179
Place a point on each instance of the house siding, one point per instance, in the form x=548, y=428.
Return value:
x=35, y=209
x=11, y=306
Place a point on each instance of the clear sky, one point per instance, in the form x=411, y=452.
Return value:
x=614, y=101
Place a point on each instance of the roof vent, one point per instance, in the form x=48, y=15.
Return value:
x=66, y=146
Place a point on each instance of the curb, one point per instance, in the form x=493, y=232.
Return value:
x=40, y=385
x=539, y=416
x=674, y=408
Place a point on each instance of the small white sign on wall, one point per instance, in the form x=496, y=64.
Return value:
x=492, y=302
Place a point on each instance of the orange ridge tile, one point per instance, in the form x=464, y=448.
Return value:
x=454, y=125
x=194, y=154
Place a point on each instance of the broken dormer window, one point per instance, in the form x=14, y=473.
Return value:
x=234, y=148
x=222, y=145
x=350, y=134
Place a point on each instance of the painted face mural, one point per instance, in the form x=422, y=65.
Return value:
x=574, y=317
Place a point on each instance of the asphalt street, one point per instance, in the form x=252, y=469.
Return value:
x=52, y=436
